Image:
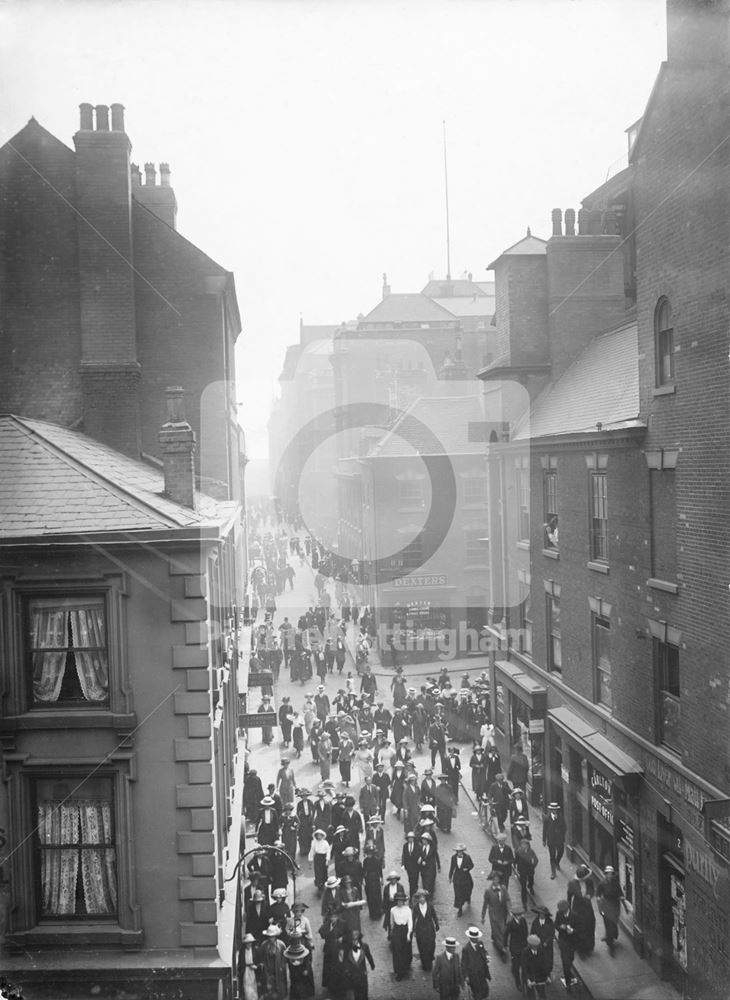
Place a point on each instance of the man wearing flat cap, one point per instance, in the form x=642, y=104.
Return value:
x=535, y=968
x=446, y=977
x=475, y=964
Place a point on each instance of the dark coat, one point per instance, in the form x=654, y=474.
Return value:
x=355, y=971
x=425, y=927
x=475, y=969
x=553, y=831
x=446, y=977
x=462, y=879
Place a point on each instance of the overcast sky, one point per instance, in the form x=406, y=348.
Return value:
x=305, y=138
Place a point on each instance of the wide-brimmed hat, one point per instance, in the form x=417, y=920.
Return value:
x=541, y=910
x=273, y=930
x=410, y=834
x=279, y=893
x=285, y=760
x=374, y=821
x=349, y=852
x=426, y=836
x=425, y=822
x=533, y=940
x=429, y=770
x=427, y=807
x=501, y=836
x=248, y=939
x=341, y=829
x=299, y=905
x=304, y=792
x=517, y=791
x=332, y=882
x=319, y=833
x=267, y=801
x=473, y=933
x=400, y=896
x=393, y=876
x=460, y=847
x=421, y=894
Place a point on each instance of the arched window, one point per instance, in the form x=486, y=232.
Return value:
x=664, y=342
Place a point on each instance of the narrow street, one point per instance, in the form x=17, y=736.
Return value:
x=466, y=829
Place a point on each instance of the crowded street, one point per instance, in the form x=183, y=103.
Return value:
x=269, y=753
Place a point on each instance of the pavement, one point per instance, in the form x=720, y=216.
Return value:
x=623, y=977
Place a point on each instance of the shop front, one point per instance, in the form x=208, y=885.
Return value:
x=600, y=787
x=417, y=614
x=519, y=715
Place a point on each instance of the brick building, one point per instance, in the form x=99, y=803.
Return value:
x=611, y=572
x=122, y=536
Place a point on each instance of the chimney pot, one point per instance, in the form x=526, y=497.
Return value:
x=117, y=117
x=150, y=174
x=557, y=216
x=165, y=174
x=102, y=118
x=86, y=117
x=177, y=444
x=582, y=222
x=136, y=173
x=570, y=222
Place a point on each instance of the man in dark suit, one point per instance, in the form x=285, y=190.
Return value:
x=446, y=976
x=553, y=836
x=355, y=960
x=475, y=964
x=257, y=916
x=409, y=862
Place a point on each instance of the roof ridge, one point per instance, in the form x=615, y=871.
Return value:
x=96, y=477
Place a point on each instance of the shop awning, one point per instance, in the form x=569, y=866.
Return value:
x=521, y=684
x=599, y=750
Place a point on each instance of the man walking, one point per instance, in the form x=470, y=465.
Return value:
x=475, y=965
x=446, y=976
x=610, y=897
x=553, y=836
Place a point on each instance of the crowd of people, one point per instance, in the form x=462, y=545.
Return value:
x=363, y=743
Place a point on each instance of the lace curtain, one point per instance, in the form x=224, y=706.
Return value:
x=67, y=832
x=49, y=631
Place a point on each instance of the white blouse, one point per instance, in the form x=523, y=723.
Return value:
x=402, y=916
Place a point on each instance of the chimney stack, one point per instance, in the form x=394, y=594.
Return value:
x=110, y=371
x=386, y=286
x=136, y=175
x=117, y=117
x=150, y=174
x=177, y=444
x=158, y=198
x=165, y=174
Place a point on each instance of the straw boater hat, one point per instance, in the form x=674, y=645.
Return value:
x=609, y=870
x=553, y=806
x=473, y=933
x=332, y=882
x=296, y=950
x=450, y=942
x=267, y=801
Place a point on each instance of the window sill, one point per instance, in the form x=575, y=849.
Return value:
x=664, y=585
x=77, y=935
x=551, y=553
x=598, y=567
x=664, y=390
x=69, y=719
x=523, y=545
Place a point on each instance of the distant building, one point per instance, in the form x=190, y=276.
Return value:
x=609, y=564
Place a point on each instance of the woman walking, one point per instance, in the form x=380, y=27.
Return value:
x=400, y=935
x=425, y=928
x=372, y=874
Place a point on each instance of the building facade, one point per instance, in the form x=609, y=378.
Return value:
x=611, y=667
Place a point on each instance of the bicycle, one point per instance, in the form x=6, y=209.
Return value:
x=488, y=816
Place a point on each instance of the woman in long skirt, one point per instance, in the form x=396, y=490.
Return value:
x=583, y=918
x=497, y=902
x=250, y=990
x=319, y=854
x=372, y=875
x=397, y=787
x=297, y=733
x=425, y=926
x=400, y=934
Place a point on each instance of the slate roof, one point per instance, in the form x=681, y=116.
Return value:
x=460, y=288
x=448, y=417
x=408, y=307
x=528, y=245
x=601, y=386
x=54, y=481
x=475, y=306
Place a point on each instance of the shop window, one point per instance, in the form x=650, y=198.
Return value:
x=599, y=516
x=67, y=651
x=475, y=546
x=666, y=667
x=550, y=508
x=554, y=640
x=76, y=876
x=664, y=342
x=523, y=500
x=602, y=659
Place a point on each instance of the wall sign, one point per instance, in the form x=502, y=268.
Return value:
x=625, y=833
x=437, y=580
x=602, y=796
x=255, y=720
